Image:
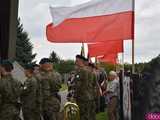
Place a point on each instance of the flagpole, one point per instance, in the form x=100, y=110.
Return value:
x=82, y=50
x=116, y=65
x=96, y=60
x=123, y=55
x=133, y=41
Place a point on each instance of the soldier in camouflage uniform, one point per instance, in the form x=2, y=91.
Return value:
x=85, y=84
x=10, y=93
x=50, y=83
x=29, y=96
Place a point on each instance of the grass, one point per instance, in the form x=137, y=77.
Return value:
x=64, y=87
x=101, y=116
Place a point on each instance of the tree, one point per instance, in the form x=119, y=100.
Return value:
x=65, y=66
x=54, y=57
x=107, y=66
x=24, y=47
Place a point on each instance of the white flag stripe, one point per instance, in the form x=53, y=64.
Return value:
x=90, y=9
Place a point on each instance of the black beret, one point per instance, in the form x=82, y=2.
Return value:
x=92, y=65
x=45, y=60
x=29, y=67
x=7, y=65
x=81, y=57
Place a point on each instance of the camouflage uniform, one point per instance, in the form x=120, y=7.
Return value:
x=29, y=98
x=84, y=93
x=10, y=93
x=50, y=83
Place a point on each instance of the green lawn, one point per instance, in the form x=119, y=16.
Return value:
x=64, y=87
x=101, y=116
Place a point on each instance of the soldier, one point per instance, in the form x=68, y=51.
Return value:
x=102, y=77
x=85, y=81
x=71, y=86
x=50, y=83
x=10, y=93
x=94, y=90
x=36, y=68
x=29, y=96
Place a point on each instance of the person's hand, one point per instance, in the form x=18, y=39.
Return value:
x=104, y=93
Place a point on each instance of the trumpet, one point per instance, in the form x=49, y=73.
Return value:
x=71, y=111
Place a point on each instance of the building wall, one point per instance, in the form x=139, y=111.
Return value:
x=8, y=23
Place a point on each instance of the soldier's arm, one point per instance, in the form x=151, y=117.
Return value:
x=18, y=87
x=58, y=81
x=98, y=90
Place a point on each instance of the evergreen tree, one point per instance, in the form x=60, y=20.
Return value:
x=64, y=66
x=54, y=57
x=24, y=47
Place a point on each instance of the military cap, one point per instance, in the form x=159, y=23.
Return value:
x=91, y=65
x=45, y=60
x=7, y=65
x=82, y=58
x=79, y=56
x=29, y=67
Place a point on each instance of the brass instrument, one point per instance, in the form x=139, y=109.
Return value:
x=71, y=111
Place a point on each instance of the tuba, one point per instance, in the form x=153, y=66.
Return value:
x=71, y=111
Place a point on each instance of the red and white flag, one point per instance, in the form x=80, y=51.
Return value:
x=108, y=47
x=109, y=58
x=92, y=22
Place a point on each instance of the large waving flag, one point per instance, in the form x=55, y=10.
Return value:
x=91, y=22
x=109, y=47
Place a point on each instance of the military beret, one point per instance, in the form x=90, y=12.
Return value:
x=81, y=57
x=45, y=60
x=29, y=67
x=92, y=65
x=7, y=65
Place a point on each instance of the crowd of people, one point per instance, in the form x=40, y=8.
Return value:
x=93, y=90
x=38, y=97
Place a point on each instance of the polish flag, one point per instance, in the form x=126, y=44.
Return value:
x=109, y=58
x=108, y=47
x=92, y=22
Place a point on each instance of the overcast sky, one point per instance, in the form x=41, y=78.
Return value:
x=35, y=16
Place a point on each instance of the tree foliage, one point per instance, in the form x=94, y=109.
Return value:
x=108, y=67
x=54, y=57
x=65, y=66
x=146, y=89
x=24, y=48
